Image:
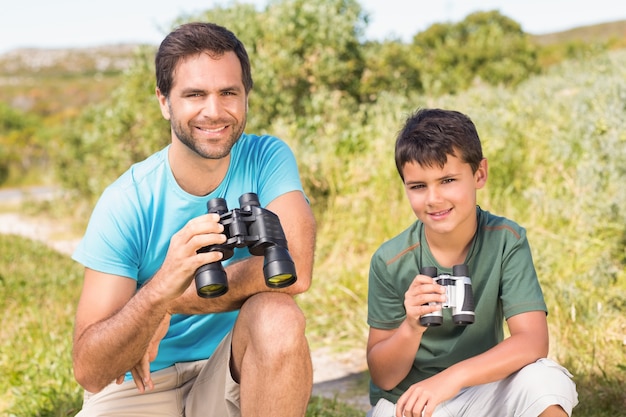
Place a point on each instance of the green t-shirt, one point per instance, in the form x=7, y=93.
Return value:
x=504, y=283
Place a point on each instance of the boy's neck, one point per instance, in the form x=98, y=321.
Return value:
x=451, y=248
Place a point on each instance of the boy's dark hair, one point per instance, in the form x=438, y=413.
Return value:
x=195, y=38
x=430, y=135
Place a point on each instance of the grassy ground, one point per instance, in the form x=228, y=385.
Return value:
x=39, y=289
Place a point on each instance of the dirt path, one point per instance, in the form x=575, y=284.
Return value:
x=335, y=375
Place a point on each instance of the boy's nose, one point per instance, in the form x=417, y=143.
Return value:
x=433, y=196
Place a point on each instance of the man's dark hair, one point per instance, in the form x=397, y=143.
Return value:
x=430, y=135
x=195, y=38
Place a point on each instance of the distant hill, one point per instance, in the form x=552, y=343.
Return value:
x=47, y=81
x=52, y=81
x=102, y=59
x=602, y=32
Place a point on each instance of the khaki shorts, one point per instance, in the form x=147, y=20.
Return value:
x=190, y=389
x=525, y=393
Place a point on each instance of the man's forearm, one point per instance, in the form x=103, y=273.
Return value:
x=245, y=278
x=111, y=347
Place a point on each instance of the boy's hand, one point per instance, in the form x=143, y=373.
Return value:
x=421, y=399
x=423, y=290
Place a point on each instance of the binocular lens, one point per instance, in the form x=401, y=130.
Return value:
x=210, y=290
x=278, y=269
x=211, y=280
x=279, y=279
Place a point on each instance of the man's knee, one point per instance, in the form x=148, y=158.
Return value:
x=272, y=315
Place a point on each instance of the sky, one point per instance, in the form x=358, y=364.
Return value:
x=85, y=23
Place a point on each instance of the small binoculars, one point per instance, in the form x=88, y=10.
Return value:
x=253, y=227
x=459, y=296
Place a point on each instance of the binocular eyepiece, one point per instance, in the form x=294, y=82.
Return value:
x=459, y=296
x=253, y=227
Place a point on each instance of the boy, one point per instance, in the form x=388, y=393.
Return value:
x=457, y=370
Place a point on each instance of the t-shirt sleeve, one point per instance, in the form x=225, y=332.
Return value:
x=520, y=288
x=110, y=243
x=385, y=307
x=279, y=170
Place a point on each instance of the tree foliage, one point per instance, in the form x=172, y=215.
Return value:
x=22, y=149
x=486, y=46
x=112, y=135
x=309, y=61
x=297, y=48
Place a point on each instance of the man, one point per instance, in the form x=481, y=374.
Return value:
x=139, y=320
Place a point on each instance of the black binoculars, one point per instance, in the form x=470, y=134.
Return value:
x=248, y=226
x=459, y=296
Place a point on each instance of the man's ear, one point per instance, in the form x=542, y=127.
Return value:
x=164, y=104
x=481, y=174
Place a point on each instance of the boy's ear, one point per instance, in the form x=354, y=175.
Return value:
x=481, y=174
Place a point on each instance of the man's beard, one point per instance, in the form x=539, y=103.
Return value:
x=208, y=150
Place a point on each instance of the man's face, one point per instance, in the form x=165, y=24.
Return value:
x=207, y=104
x=444, y=198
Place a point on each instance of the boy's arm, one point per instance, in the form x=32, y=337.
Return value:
x=390, y=353
x=527, y=343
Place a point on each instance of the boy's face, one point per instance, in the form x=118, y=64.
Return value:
x=444, y=199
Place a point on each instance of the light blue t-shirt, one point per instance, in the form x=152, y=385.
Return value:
x=131, y=226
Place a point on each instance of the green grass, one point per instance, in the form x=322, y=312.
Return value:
x=39, y=289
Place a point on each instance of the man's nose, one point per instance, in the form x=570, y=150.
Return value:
x=211, y=106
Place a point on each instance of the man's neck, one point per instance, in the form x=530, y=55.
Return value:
x=196, y=175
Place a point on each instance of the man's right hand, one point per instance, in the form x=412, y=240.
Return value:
x=182, y=259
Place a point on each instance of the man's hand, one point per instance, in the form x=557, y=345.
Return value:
x=141, y=372
x=182, y=258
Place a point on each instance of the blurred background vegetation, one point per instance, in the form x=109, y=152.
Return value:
x=550, y=110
